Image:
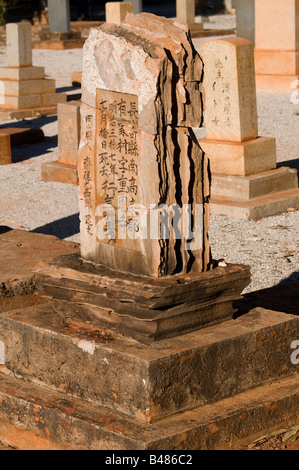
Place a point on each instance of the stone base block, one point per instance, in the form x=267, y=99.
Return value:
x=257, y=208
x=22, y=73
x=59, y=45
x=18, y=114
x=59, y=172
x=32, y=101
x=5, y=150
x=59, y=41
x=26, y=87
x=240, y=159
x=151, y=309
x=207, y=32
x=144, y=382
x=33, y=418
x=277, y=83
x=195, y=27
x=254, y=186
x=276, y=62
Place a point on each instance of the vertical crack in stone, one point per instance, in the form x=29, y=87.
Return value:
x=191, y=201
x=178, y=196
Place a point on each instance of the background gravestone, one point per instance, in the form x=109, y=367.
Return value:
x=59, y=16
x=245, y=181
x=277, y=45
x=246, y=19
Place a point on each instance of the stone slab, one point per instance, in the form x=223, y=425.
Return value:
x=20, y=136
x=205, y=33
x=62, y=45
x=277, y=83
x=5, y=150
x=53, y=99
x=254, y=186
x=17, y=266
x=27, y=113
x=240, y=158
x=46, y=100
x=59, y=172
x=33, y=418
x=203, y=300
x=21, y=102
x=257, y=208
x=276, y=62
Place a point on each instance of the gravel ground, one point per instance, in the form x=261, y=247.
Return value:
x=270, y=246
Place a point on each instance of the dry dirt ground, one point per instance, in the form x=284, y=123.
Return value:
x=270, y=246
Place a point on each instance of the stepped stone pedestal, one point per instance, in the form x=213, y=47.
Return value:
x=245, y=181
x=277, y=46
x=24, y=91
x=69, y=125
x=59, y=36
x=69, y=380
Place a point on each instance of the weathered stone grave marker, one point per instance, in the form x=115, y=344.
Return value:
x=245, y=181
x=69, y=125
x=185, y=14
x=125, y=137
x=143, y=181
x=59, y=16
x=23, y=87
x=277, y=46
x=59, y=36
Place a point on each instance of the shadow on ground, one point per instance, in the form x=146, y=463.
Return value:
x=26, y=152
x=62, y=228
x=284, y=297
